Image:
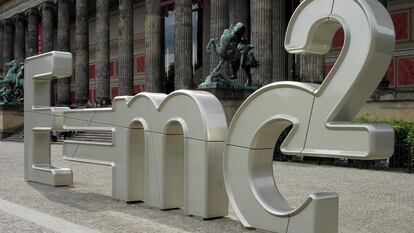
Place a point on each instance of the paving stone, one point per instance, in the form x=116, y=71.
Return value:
x=9, y=224
x=370, y=201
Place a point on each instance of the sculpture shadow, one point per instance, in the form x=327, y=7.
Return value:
x=97, y=203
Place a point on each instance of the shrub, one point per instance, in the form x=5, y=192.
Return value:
x=404, y=130
x=402, y=158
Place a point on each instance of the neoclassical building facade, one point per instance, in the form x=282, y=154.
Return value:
x=122, y=47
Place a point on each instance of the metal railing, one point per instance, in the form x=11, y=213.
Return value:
x=402, y=160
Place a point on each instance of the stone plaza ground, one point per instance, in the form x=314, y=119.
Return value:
x=370, y=201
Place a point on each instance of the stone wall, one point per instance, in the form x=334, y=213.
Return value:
x=11, y=120
x=13, y=7
x=9, y=4
x=230, y=99
x=389, y=110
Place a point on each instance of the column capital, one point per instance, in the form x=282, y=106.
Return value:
x=60, y=1
x=18, y=17
x=32, y=11
x=47, y=5
x=6, y=22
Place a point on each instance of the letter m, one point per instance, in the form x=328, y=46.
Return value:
x=166, y=150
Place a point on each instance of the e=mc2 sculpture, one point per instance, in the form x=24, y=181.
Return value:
x=167, y=150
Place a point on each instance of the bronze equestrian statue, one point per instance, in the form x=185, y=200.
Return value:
x=233, y=47
x=13, y=90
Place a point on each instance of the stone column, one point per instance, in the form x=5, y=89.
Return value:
x=32, y=32
x=384, y=2
x=20, y=39
x=219, y=20
x=82, y=52
x=48, y=35
x=183, y=44
x=262, y=40
x=126, y=48
x=293, y=59
x=48, y=10
x=198, y=66
x=240, y=12
x=8, y=43
x=153, y=45
x=1, y=49
x=102, y=50
x=280, y=56
x=63, y=44
x=312, y=68
x=206, y=39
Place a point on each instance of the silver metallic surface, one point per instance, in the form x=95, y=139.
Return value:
x=166, y=150
x=38, y=121
x=321, y=116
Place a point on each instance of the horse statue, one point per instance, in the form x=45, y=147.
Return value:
x=13, y=91
x=235, y=48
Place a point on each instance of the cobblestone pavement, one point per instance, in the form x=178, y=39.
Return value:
x=9, y=223
x=370, y=201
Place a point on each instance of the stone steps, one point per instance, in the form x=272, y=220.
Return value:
x=92, y=136
x=19, y=137
x=82, y=136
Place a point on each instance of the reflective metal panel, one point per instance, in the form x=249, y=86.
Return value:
x=321, y=116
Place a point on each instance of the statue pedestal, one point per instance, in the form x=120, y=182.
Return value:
x=230, y=98
x=11, y=119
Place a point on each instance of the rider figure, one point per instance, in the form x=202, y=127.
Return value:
x=235, y=48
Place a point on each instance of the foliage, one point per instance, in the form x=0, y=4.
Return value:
x=403, y=151
x=404, y=138
x=404, y=130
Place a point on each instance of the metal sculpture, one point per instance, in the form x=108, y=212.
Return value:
x=12, y=92
x=176, y=141
x=39, y=120
x=321, y=116
x=233, y=47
